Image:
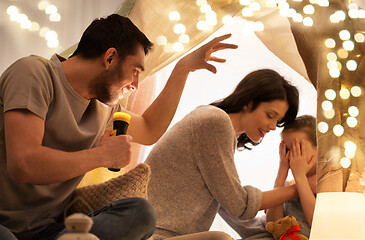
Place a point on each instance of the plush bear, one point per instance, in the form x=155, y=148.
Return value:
x=285, y=228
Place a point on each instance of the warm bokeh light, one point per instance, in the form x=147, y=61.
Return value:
x=334, y=72
x=330, y=94
x=202, y=25
x=51, y=9
x=350, y=146
x=348, y=45
x=331, y=56
x=329, y=114
x=227, y=19
x=344, y=93
x=338, y=130
x=356, y=91
x=351, y=122
x=330, y=43
x=322, y=127
x=351, y=65
x=55, y=17
x=353, y=111
x=247, y=12
x=42, y=5
x=308, y=21
x=308, y=9
x=174, y=16
x=327, y=105
x=184, y=38
x=161, y=40
x=359, y=37
x=342, y=53
x=179, y=28
x=178, y=47
x=345, y=162
x=345, y=35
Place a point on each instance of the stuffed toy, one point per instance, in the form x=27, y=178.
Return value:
x=285, y=228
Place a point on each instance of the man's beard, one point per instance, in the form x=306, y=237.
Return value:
x=100, y=86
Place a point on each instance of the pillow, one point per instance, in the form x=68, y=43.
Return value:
x=131, y=184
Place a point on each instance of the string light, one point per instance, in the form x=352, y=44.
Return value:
x=329, y=114
x=359, y=37
x=330, y=94
x=322, y=127
x=184, y=38
x=308, y=21
x=178, y=47
x=227, y=19
x=344, y=93
x=348, y=45
x=42, y=5
x=179, y=28
x=353, y=111
x=338, y=130
x=345, y=35
x=330, y=43
x=245, y=2
x=161, y=40
x=247, y=12
x=308, y=9
x=255, y=6
x=356, y=91
x=351, y=122
x=202, y=25
x=342, y=53
x=351, y=65
x=327, y=105
x=350, y=146
x=174, y=16
x=345, y=162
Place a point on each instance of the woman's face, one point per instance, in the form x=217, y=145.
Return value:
x=263, y=119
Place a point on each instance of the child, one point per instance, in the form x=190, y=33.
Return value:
x=298, y=151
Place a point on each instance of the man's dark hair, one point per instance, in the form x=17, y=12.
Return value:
x=114, y=31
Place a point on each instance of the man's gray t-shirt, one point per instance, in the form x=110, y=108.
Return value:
x=72, y=123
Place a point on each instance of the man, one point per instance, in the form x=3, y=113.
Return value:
x=53, y=117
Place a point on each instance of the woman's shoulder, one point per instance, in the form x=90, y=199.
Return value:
x=210, y=115
x=209, y=112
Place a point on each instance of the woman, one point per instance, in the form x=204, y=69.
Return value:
x=193, y=172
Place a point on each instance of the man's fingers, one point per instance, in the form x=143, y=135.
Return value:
x=221, y=46
x=220, y=38
x=216, y=59
x=210, y=67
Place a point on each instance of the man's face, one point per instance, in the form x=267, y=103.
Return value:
x=122, y=76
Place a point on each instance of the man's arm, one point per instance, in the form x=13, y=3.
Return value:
x=149, y=127
x=30, y=162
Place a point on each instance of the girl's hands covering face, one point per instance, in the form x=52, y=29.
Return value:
x=299, y=161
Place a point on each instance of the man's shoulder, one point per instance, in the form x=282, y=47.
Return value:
x=32, y=63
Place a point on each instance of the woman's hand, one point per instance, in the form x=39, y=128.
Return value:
x=198, y=59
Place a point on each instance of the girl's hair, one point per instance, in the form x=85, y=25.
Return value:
x=306, y=124
x=263, y=85
x=113, y=31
